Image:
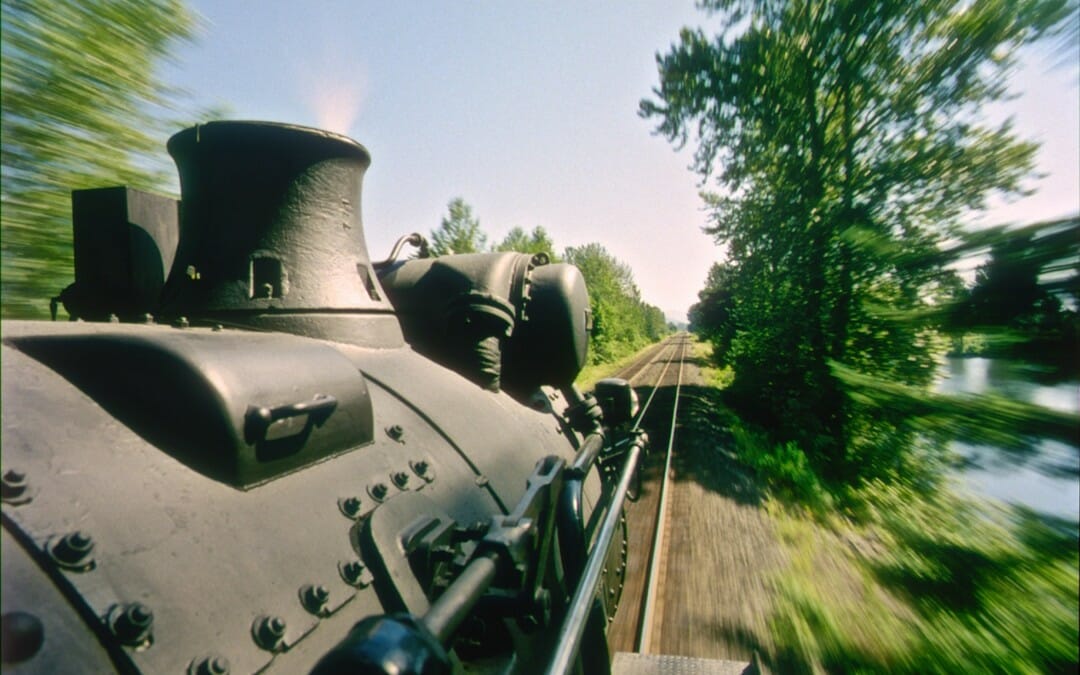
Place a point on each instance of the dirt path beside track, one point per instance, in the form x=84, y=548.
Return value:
x=721, y=548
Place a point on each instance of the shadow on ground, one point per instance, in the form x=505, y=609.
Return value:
x=703, y=443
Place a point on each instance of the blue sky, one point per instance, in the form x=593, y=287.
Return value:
x=528, y=111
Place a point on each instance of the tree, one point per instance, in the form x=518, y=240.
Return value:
x=848, y=144
x=621, y=321
x=1018, y=302
x=459, y=231
x=538, y=241
x=82, y=107
x=710, y=316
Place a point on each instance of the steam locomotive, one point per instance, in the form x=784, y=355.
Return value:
x=254, y=449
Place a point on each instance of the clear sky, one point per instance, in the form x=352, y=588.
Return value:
x=528, y=111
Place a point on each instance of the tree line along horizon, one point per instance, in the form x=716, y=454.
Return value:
x=840, y=153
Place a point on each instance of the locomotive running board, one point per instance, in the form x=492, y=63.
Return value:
x=628, y=663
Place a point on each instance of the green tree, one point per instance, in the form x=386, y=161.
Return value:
x=537, y=241
x=710, y=316
x=1018, y=303
x=459, y=231
x=848, y=144
x=82, y=107
x=620, y=318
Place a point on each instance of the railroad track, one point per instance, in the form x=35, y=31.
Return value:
x=640, y=609
x=714, y=550
x=646, y=637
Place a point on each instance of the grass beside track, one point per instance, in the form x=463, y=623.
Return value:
x=591, y=374
x=887, y=578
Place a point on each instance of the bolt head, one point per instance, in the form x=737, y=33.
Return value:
x=13, y=487
x=352, y=572
x=314, y=598
x=131, y=624
x=268, y=632
x=73, y=551
x=378, y=491
x=421, y=468
x=80, y=541
x=350, y=506
x=139, y=614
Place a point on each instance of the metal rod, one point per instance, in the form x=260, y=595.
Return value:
x=586, y=456
x=451, y=608
x=645, y=635
x=570, y=634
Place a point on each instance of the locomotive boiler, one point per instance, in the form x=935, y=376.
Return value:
x=254, y=449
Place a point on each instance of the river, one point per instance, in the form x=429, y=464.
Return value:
x=1045, y=476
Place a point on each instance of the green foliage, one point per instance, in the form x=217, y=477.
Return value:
x=783, y=468
x=622, y=323
x=1018, y=302
x=929, y=584
x=890, y=576
x=537, y=241
x=82, y=107
x=459, y=231
x=832, y=129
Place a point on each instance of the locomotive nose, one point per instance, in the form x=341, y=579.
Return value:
x=271, y=234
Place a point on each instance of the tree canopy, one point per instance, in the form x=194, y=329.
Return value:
x=847, y=145
x=622, y=322
x=82, y=107
x=458, y=232
x=537, y=241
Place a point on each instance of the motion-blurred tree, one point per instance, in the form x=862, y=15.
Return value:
x=1023, y=303
x=459, y=231
x=834, y=123
x=82, y=106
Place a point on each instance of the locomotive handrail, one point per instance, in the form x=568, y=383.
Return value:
x=571, y=517
x=569, y=640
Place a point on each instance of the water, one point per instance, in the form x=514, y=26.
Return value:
x=1044, y=476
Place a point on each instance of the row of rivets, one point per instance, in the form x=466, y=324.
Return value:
x=352, y=506
x=131, y=623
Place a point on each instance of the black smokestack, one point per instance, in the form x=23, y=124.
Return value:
x=271, y=235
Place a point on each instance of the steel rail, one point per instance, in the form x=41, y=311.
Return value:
x=648, y=401
x=644, y=643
